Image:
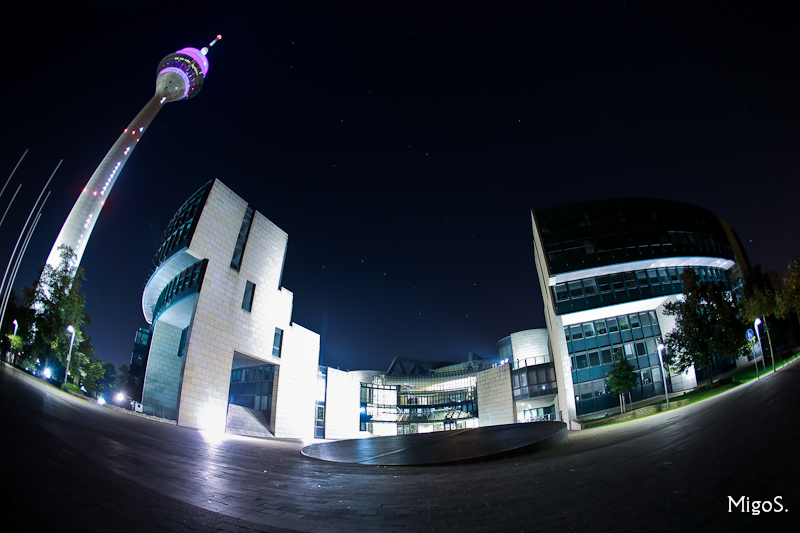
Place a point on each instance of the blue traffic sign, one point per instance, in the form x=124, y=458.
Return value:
x=750, y=334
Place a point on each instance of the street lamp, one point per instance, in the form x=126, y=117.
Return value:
x=15, y=336
x=760, y=346
x=663, y=372
x=69, y=355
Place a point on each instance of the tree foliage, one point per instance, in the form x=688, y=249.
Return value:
x=623, y=376
x=706, y=324
x=57, y=303
x=788, y=298
x=759, y=299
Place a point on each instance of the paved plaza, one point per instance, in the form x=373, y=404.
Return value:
x=70, y=465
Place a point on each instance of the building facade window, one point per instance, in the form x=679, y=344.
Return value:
x=252, y=387
x=277, y=342
x=249, y=293
x=241, y=240
x=602, y=291
x=635, y=336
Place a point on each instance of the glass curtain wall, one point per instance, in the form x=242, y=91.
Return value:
x=591, y=350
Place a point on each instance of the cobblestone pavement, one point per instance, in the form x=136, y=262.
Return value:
x=69, y=465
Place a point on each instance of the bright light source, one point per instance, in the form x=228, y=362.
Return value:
x=101, y=401
x=120, y=397
x=47, y=373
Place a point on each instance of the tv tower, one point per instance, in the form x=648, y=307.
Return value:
x=179, y=76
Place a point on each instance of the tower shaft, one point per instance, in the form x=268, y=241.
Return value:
x=179, y=76
x=81, y=220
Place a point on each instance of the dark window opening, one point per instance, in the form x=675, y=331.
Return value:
x=276, y=344
x=241, y=240
x=249, y=292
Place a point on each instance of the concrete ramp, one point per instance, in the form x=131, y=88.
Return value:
x=244, y=421
x=445, y=447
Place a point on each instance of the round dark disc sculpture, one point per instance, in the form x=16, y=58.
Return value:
x=443, y=448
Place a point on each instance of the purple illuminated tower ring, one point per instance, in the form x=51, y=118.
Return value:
x=179, y=76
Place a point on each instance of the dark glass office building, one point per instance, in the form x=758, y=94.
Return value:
x=606, y=268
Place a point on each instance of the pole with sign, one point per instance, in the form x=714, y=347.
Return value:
x=750, y=337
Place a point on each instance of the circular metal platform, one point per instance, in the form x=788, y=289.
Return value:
x=443, y=448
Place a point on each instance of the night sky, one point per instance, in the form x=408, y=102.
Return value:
x=401, y=146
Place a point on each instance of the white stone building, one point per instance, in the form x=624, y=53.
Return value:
x=216, y=304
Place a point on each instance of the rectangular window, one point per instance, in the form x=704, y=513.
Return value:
x=618, y=281
x=604, y=283
x=629, y=351
x=653, y=278
x=599, y=387
x=673, y=275
x=623, y=323
x=241, y=240
x=612, y=325
x=641, y=275
x=606, y=355
x=585, y=390
x=249, y=292
x=600, y=326
x=663, y=275
x=580, y=360
x=575, y=289
x=588, y=330
x=634, y=319
x=651, y=345
x=276, y=344
x=561, y=292
x=590, y=286
x=630, y=281
x=594, y=359
x=656, y=373
x=577, y=333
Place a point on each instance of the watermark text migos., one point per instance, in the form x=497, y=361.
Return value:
x=756, y=507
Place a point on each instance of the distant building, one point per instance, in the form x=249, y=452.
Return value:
x=606, y=268
x=141, y=348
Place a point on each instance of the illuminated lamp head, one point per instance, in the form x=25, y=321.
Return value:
x=180, y=75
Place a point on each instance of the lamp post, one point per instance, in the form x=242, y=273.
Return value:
x=663, y=372
x=15, y=336
x=760, y=346
x=69, y=355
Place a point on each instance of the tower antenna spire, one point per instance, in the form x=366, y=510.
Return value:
x=212, y=43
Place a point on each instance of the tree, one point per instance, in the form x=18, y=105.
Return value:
x=622, y=378
x=92, y=372
x=121, y=383
x=106, y=384
x=789, y=297
x=58, y=303
x=706, y=325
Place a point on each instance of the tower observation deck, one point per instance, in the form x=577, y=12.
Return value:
x=179, y=76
